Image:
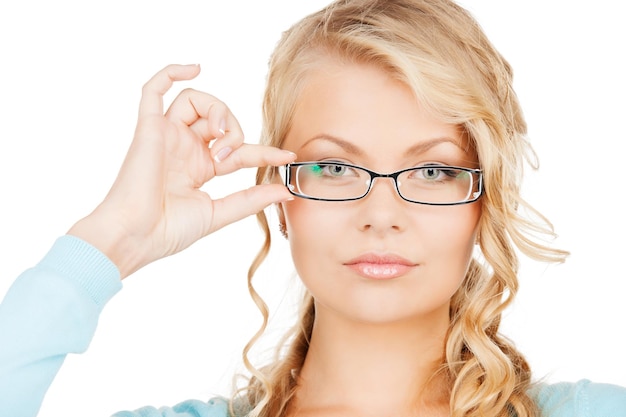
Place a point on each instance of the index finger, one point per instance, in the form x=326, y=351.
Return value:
x=253, y=156
x=151, y=103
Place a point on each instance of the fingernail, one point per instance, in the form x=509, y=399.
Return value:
x=290, y=153
x=223, y=154
x=222, y=128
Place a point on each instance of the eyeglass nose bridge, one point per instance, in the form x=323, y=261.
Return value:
x=375, y=175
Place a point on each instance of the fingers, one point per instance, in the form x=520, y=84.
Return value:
x=231, y=138
x=152, y=94
x=191, y=105
x=252, y=156
x=209, y=118
x=245, y=203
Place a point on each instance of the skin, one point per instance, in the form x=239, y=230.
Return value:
x=375, y=341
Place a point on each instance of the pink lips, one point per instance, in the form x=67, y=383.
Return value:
x=381, y=267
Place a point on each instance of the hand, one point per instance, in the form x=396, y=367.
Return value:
x=155, y=207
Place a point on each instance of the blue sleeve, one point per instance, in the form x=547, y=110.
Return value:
x=49, y=311
x=581, y=399
x=217, y=407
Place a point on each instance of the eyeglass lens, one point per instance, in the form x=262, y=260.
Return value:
x=429, y=184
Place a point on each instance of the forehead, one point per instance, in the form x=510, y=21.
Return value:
x=367, y=109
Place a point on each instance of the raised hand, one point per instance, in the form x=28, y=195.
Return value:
x=155, y=207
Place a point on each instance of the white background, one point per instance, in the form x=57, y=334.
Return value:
x=70, y=81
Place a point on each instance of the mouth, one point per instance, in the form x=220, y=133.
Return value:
x=380, y=267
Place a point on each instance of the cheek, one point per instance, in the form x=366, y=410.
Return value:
x=447, y=245
x=455, y=236
x=314, y=229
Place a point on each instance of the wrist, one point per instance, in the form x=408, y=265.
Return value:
x=110, y=238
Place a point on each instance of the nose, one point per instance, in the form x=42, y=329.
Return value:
x=383, y=210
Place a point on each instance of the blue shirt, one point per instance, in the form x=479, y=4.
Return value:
x=52, y=310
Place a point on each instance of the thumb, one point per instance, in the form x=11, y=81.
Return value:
x=244, y=203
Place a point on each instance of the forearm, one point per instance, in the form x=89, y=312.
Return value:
x=51, y=310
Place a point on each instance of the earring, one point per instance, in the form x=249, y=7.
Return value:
x=283, y=230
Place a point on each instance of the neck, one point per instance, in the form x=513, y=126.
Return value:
x=378, y=367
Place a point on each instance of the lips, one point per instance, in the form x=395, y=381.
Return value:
x=380, y=267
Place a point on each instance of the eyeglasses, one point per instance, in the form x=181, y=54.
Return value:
x=437, y=185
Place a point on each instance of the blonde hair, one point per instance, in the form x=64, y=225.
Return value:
x=438, y=50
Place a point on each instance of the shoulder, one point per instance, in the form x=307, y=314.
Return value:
x=580, y=399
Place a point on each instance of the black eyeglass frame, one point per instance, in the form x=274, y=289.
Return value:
x=394, y=175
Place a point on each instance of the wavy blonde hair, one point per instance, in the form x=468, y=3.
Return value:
x=438, y=50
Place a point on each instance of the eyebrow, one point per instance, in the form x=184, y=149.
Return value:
x=416, y=149
x=345, y=145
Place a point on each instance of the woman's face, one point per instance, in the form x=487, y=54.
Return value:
x=378, y=259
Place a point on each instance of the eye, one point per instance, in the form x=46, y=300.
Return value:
x=336, y=170
x=431, y=173
x=437, y=173
x=332, y=170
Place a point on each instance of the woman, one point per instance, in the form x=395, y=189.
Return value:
x=401, y=211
